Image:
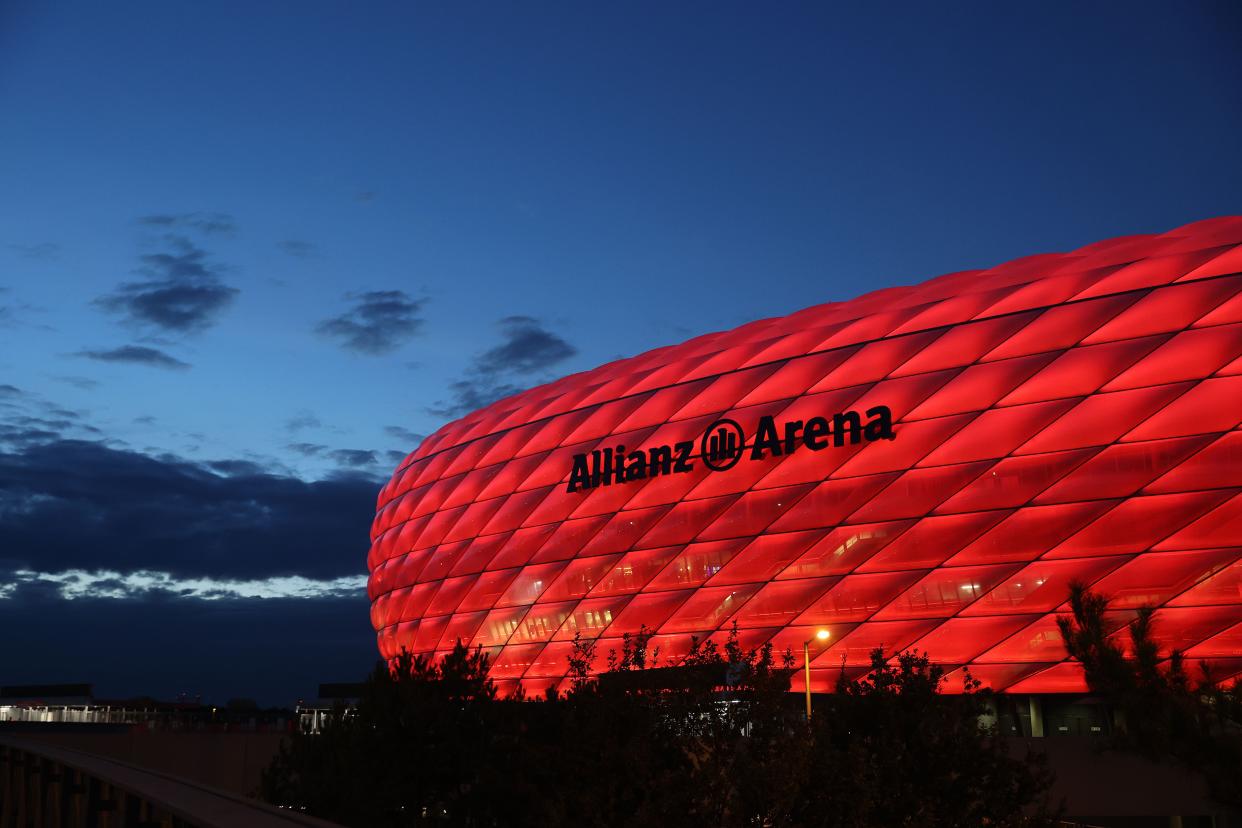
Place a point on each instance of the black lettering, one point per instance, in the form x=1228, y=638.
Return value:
x=792, y=427
x=840, y=422
x=659, y=460
x=579, y=477
x=683, y=457
x=607, y=475
x=881, y=425
x=636, y=466
x=766, y=438
x=595, y=468
x=815, y=435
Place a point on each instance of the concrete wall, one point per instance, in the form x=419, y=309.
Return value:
x=231, y=762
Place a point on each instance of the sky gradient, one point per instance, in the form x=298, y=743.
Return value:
x=249, y=256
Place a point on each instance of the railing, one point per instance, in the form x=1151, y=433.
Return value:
x=43, y=786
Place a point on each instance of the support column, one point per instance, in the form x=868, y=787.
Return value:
x=1037, y=716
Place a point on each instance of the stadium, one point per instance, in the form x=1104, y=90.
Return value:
x=927, y=466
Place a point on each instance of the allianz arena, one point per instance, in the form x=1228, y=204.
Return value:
x=926, y=466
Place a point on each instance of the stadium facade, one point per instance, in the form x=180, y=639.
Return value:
x=926, y=466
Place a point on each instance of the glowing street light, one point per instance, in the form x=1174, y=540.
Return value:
x=820, y=635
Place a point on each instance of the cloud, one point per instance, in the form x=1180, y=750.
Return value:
x=364, y=196
x=297, y=249
x=349, y=461
x=405, y=435
x=78, y=584
x=528, y=347
x=136, y=355
x=13, y=314
x=180, y=292
x=43, y=251
x=353, y=458
x=28, y=419
x=302, y=421
x=234, y=468
x=119, y=509
x=527, y=351
x=380, y=322
x=81, y=383
x=470, y=395
x=208, y=223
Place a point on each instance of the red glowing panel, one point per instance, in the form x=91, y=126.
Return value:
x=945, y=591
x=1065, y=417
x=1059, y=678
x=1220, y=464
x=918, y=491
x=858, y=597
x=1041, y=585
x=844, y=548
x=855, y=649
x=1014, y=481
x=1121, y=470
x=779, y=602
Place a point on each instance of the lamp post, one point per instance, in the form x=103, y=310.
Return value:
x=821, y=635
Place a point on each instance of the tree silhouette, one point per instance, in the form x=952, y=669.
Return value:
x=1154, y=707
x=715, y=739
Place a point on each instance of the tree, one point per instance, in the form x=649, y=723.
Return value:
x=715, y=739
x=720, y=741
x=1155, y=708
x=891, y=749
x=409, y=751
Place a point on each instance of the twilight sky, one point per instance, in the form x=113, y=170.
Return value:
x=250, y=253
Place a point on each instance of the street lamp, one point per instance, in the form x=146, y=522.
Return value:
x=820, y=635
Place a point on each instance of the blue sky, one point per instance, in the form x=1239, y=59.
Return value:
x=258, y=250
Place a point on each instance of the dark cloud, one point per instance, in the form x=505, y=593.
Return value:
x=208, y=223
x=470, y=395
x=380, y=322
x=395, y=457
x=234, y=468
x=353, y=458
x=405, y=435
x=82, y=383
x=528, y=350
x=43, y=251
x=136, y=355
x=55, y=424
x=297, y=249
x=14, y=314
x=302, y=421
x=124, y=510
x=364, y=196
x=349, y=461
x=20, y=437
x=27, y=419
x=180, y=290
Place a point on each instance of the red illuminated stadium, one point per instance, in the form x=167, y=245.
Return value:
x=925, y=466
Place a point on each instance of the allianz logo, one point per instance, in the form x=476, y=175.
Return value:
x=724, y=444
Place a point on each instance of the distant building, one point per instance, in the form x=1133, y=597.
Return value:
x=75, y=704
x=334, y=698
